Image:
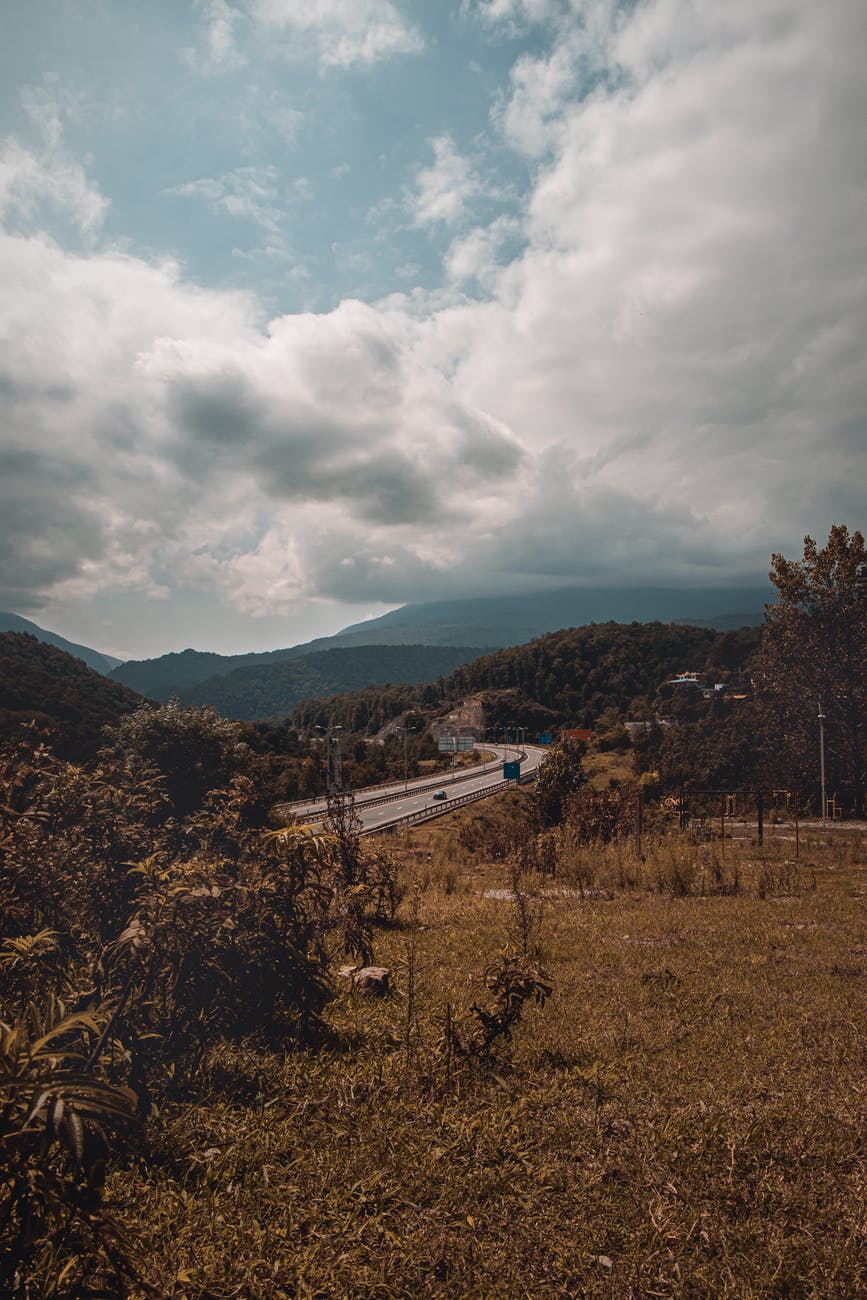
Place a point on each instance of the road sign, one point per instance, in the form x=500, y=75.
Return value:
x=546, y=738
x=511, y=771
x=456, y=744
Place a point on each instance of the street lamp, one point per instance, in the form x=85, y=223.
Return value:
x=330, y=733
x=822, y=761
x=406, y=731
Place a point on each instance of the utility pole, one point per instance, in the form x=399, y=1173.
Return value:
x=406, y=731
x=333, y=773
x=338, y=773
x=822, y=761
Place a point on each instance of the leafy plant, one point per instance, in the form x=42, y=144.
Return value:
x=61, y=1116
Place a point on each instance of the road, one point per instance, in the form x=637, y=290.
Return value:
x=378, y=807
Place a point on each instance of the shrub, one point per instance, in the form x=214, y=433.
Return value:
x=195, y=750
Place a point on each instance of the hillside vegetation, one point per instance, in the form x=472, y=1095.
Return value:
x=274, y=689
x=42, y=683
x=93, y=658
x=574, y=676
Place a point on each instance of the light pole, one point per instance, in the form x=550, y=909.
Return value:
x=822, y=761
x=337, y=782
x=406, y=731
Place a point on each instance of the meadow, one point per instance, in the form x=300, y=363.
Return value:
x=676, y=1108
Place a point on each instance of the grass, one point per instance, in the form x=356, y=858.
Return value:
x=685, y=1117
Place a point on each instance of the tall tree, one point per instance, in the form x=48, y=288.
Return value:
x=814, y=649
x=561, y=774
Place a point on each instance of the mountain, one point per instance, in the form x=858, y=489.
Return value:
x=580, y=673
x=479, y=625
x=274, y=689
x=512, y=620
x=575, y=676
x=93, y=658
x=39, y=681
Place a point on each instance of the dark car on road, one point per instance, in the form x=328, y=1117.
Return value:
x=440, y=794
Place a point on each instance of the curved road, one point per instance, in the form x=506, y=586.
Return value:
x=378, y=807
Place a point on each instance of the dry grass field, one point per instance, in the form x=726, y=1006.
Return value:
x=684, y=1116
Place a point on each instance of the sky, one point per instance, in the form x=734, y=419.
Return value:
x=313, y=309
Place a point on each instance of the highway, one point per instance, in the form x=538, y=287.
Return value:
x=379, y=807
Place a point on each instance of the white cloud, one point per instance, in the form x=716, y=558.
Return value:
x=478, y=255
x=222, y=21
x=443, y=190
x=694, y=276
x=344, y=32
x=250, y=192
x=48, y=180
x=29, y=180
x=514, y=14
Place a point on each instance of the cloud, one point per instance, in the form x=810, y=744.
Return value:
x=343, y=32
x=663, y=380
x=162, y=430
x=443, y=190
x=46, y=183
x=514, y=15
x=251, y=193
x=479, y=255
x=222, y=22
x=692, y=286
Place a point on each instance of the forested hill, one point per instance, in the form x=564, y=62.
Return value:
x=571, y=676
x=39, y=681
x=274, y=689
x=93, y=658
x=582, y=671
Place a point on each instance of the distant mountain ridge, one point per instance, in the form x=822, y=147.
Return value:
x=93, y=658
x=473, y=627
x=504, y=621
x=270, y=690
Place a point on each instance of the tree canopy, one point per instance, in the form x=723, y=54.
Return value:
x=814, y=652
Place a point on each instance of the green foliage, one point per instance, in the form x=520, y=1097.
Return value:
x=61, y=1117
x=67, y=699
x=582, y=672
x=274, y=689
x=600, y=816
x=362, y=712
x=721, y=750
x=194, y=750
x=512, y=984
x=814, y=648
x=220, y=951
x=561, y=775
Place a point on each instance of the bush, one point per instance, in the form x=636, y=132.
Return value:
x=194, y=750
x=220, y=951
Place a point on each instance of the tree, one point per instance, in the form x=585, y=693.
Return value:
x=195, y=750
x=814, y=650
x=561, y=775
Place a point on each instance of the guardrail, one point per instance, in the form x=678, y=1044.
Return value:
x=376, y=800
x=428, y=814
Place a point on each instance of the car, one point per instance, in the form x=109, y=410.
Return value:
x=440, y=794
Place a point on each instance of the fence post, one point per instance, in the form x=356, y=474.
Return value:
x=722, y=823
x=760, y=817
x=639, y=817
